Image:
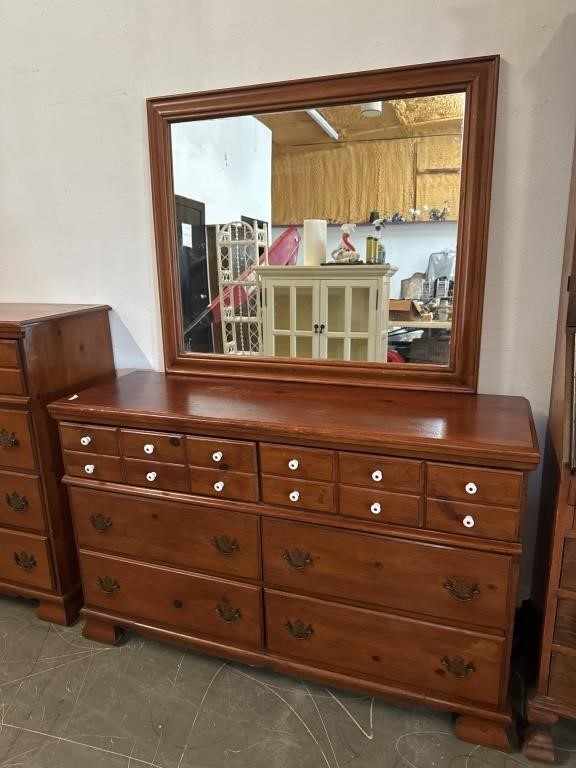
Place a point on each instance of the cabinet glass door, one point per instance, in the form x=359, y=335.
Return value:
x=291, y=313
x=348, y=316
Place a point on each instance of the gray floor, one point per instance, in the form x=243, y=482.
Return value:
x=67, y=702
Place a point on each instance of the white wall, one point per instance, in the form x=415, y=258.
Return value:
x=75, y=208
x=225, y=164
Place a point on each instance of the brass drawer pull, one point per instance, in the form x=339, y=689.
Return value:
x=225, y=545
x=107, y=584
x=226, y=612
x=16, y=502
x=25, y=561
x=8, y=439
x=457, y=666
x=462, y=590
x=297, y=559
x=299, y=630
x=101, y=523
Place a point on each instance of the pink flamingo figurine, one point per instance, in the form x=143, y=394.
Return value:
x=345, y=252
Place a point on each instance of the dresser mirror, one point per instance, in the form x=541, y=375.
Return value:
x=330, y=229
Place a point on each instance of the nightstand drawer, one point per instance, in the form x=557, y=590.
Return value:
x=239, y=486
x=232, y=455
x=11, y=382
x=443, y=582
x=21, y=501
x=568, y=577
x=159, y=475
x=303, y=463
x=156, y=446
x=298, y=494
x=9, y=354
x=24, y=559
x=200, y=605
x=474, y=484
x=93, y=467
x=16, y=449
x=372, y=471
x=379, y=506
x=485, y=522
x=89, y=439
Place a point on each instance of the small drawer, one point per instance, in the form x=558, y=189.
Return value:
x=472, y=519
x=9, y=354
x=371, y=471
x=24, y=559
x=233, y=455
x=93, y=467
x=200, y=605
x=379, y=506
x=169, y=532
x=562, y=678
x=431, y=657
x=89, y=439
x=16, y=449
x=304, y=463
x=158, y=475
x=298, y=494
x=157, y=446
x=568, y=576
x=224, y=485
x=11, y=382
x=474, y=484
x=21, y=501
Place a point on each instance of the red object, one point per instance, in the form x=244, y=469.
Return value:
x=394, y=357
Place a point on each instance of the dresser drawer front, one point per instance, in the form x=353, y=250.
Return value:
x=9, y=354
x=93, y=467
x=21, y=501
x=16, y=450
x=444, y=582
x=562, y=678
x=304, y=463
x=156, y=446
x=298, y=494
x=233, y=455
x=89, y=439
x=372, y=471
x=24, y=559
x=565, y=626
x=167, y=532
x=200, y=605
x=475, y=485
x=11, y=382
x=379, y=506
x=476, y=520
x=568, y=576
x=155, y=474
x=236, y=486
x=432, y=658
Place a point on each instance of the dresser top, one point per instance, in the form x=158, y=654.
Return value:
x=493, y=430
x=14, y=316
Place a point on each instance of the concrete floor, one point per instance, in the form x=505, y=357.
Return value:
x=67, y=702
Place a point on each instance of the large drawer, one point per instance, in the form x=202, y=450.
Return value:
x=11, y=382
x=89, y=439
x=444, y=582
x=433, y=659
x=384, y=473
x=475, y=484
x=9, y=354
x=233, y=455
x=305, y=463
x=21, y=501
x=157, y=446
x=16, y=450
x=24, y=559
x=167, y=532
x=200, y=605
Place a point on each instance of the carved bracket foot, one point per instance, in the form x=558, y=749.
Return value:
x=64, y=613
x=102, y=632
x=538, y=742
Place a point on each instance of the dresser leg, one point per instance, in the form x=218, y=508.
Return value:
x=101, y=631
x=538, y=743
x=488, y=733
x=64, y=613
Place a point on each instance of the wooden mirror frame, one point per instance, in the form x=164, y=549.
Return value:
x=478, y=78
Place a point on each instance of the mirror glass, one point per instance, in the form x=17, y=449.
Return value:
x=328, y=233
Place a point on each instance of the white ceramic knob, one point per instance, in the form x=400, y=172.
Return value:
x=377, y=475
x=293, y=464
x=471, y=488
x=86, y=440
x=294, y=495
x=375, y=508
x=89, y=469
x=468, y=521
x=151, y=476
x=217, y=456
x=219, y=486
x=148, y=448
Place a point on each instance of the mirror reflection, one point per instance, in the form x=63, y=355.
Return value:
x=325, y=233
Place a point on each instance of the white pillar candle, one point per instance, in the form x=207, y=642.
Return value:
x=315, y=240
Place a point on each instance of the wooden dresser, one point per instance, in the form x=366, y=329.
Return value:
x=364, y=539
x=46, y=351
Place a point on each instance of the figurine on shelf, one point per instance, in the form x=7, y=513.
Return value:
x=346, y=253
x=397, y=218
x=439, y=215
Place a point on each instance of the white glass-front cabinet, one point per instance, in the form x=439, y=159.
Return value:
x=334, y=312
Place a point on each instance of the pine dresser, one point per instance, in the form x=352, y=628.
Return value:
x=367, y=539
x=46, y=351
